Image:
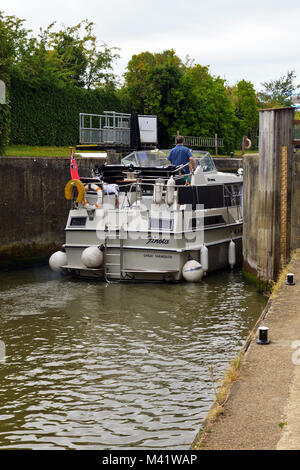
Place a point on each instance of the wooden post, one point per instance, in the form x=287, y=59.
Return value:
x=243, y=146
x=273, y=200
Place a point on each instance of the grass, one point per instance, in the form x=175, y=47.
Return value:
x=221, y=396
x=47, y=151
x=36, y=151
x=281, y=425
x=237, y=154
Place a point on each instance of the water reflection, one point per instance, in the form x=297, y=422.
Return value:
x=92, y=366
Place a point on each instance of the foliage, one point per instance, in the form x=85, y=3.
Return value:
x=13, y=38
x=45, y=77
x=151, y=74
x=49, y=115
x=207, y=110
x=151, y=87
x=185, y=97
x=67, y=57
x=4, y=126
x=244, y=101
x=75, y=53
x=278, y=93
x=7, y=46
x=297, y=114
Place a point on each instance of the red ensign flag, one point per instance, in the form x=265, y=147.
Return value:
x=74, y=168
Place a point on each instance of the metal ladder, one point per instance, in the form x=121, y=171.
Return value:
x=113, y=261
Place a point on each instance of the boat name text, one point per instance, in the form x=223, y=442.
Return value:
x=157, y=241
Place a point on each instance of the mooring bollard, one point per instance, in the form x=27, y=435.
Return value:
x=263, y=335
x=290, y=279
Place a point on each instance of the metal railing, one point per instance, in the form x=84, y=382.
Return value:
x=110, y=128
x=192, y=141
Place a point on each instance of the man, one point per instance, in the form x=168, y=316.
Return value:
x=181, y=155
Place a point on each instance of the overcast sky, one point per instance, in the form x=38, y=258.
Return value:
x=256, y=40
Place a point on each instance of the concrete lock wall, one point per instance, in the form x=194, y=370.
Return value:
x=228, y=164
x=33, y=208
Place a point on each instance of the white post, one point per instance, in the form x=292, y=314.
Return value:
x=2, y=92
x=216, y=144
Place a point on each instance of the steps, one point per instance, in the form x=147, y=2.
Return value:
x=113, y=261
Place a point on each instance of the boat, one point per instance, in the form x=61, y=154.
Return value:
x=146, y=220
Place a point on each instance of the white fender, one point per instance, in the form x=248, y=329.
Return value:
x=158, y=191
x=57, y=260
x=92, y=257
x=170, y=191
x=192, y=271
x=204, y=258
x=231, y=254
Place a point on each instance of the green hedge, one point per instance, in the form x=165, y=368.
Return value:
x=4, y=126
x=50, y=115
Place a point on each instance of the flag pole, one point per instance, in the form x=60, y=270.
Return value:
x=73, y=166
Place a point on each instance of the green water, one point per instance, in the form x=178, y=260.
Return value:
x=96, y=366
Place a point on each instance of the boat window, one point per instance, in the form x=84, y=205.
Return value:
x=130, y=159
x=214, y=220
x=78, y=222
x=161, y=224
x=197, y=222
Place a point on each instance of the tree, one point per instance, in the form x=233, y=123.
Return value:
x=7, y=53
x=184, y=96
x=149, y=76
x=13, y=43
x=206, y=108
x=278, y=93
x=152, y=85
x=85, y=62
x=70, y=56
x=245, y=104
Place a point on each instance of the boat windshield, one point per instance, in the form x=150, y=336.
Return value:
x=204, y=159
x=146, y=158
x=159, y=158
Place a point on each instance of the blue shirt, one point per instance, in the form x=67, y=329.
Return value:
x=180, y=155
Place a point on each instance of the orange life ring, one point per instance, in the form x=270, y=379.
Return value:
x=80, y=188
x=98, y=190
